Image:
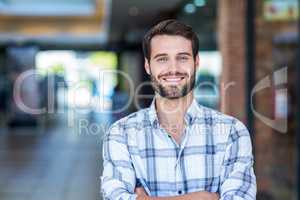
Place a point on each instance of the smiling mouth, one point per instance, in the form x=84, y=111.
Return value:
x=176, y=79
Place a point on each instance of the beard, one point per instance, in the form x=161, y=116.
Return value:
x=173, y=91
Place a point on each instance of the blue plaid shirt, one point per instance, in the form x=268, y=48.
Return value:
x=215, y=155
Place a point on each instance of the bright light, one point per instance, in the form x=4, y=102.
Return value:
x=211, y=62
x=190, y=8
x=83, y=74
x=80, y=97
x=199, y=3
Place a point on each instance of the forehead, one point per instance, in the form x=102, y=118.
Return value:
x=169, y=44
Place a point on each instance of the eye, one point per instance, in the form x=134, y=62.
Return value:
x=183, y=58
x=162, y=59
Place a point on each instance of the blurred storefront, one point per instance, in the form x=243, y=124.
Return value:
x=259, y=42
x=277, y=46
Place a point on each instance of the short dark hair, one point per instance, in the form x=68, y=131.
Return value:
x=170, y=27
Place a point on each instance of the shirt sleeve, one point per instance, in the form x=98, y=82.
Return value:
x=238, y=181
x=118, y=178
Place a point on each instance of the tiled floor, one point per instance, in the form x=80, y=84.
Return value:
x=56, y=163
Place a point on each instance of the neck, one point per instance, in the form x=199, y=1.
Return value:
x=171, y=111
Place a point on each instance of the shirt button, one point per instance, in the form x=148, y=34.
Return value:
x=179, y=192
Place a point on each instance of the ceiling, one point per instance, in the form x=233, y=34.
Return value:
x=130, y=19
x=124, y=21
x=46, y=7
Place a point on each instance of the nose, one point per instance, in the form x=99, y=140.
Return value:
x=174, y=66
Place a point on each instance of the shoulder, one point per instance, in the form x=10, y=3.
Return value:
x=215, y=117
x=229, y=125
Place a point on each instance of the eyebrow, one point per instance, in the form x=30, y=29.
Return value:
x=164, y=54
x=159, y=55
x=185, y=53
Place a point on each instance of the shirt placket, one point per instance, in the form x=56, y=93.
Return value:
x=178, y=168
x=178, y=174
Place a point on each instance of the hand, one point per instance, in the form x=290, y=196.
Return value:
x=214, y=196
x=203, y=195
x=142, y=195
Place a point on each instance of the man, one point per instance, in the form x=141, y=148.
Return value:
x=176, y=149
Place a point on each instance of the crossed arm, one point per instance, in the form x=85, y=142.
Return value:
x=141, y=195
x=237, y=179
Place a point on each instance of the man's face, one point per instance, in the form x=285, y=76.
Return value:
x=172, y=66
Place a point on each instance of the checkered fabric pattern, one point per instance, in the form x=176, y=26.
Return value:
x=215, y=155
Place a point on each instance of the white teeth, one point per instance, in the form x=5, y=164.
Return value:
x=173, y=79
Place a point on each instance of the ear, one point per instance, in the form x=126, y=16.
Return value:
x=147, y=66
x=197, y=62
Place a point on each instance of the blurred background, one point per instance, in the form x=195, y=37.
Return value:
x=70, y=68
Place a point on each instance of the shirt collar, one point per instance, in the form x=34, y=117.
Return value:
x=190, y=115
x=153, y=114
